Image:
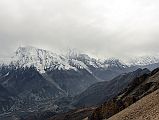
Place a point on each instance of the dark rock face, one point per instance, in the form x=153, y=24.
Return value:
x=6, y=100
x=73, y=82
x=138, y=88
x=22, y=79
x=26, y=87
x=103, y=91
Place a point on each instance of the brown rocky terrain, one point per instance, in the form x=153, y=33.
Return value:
x=145, y=109
x=138, y=88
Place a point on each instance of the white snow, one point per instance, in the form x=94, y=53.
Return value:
x=143, y=60
x=73, y=60
x=41, y=59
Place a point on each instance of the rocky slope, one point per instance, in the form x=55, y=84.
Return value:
x=145, y=109
x=6, y=100
x=138, y=88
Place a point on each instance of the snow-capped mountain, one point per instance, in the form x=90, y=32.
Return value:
x=115, y=63
x=35, y=75
x=74, y=60
x=41, y=59
x=96, y=63
x=144, y=60
x=45, y=60
x=71, y=74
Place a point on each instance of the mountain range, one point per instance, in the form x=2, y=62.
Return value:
x=34, y=80
x=102, y=69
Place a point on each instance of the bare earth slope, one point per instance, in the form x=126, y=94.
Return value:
x=145, y=109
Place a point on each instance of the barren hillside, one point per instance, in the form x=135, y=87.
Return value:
x=145, y=109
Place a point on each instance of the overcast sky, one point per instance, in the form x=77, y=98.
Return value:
x=103, y=28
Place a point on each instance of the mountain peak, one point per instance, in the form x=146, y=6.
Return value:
x=41, y=59
x=143, y=60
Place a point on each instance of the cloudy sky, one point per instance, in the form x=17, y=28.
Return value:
x=102, y=28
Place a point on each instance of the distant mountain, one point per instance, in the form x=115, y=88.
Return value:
x=143, y=61
x=44, y=60
x=102, y=69
x=107, y=69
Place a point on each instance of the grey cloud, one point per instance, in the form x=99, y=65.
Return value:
x=102, y=28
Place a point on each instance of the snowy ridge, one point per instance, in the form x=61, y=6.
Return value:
x=41, y=59
x=79, y=65
x=88, y=61
x=73, y=60
x=112, y=62
x=144, y=60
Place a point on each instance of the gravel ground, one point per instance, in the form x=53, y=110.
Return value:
x=145, y=109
